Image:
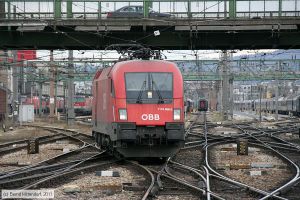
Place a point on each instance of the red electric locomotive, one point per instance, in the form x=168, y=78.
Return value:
x=138, y=108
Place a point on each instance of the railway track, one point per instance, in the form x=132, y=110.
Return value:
x=59, y=134
x=231, y=188
x=67, y=174
x=192, y=178
x=32, y=175
x=288, y=151
x=172, y=178
x=211, y=180
x=188, y=175
x=85, y=138
x=10, y=147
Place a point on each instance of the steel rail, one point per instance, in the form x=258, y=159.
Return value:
x=85, y=145
x=62, y=172
x=293, y=180
x=287, y=142
x=207, y=183
x=10, y=173
x=183, y=182
x=158, y=177
x=8, y=149
x=187, y=132
x=58, y=167
x=271, y=134
x=147, y=193
x=230, y=180
x=197, y=172
x=2, y=145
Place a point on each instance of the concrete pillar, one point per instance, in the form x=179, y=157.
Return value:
x=71, y=114
x=56, y=88
x=15, y=73
x=57, y=9
x=218, y=88
x=65, y=97
x=21, y=81
x=225, y=85
x=51, y=103
x=276, y=98
x=231, y=96
x=6, y=84
x=40, y=94
x=260, y=96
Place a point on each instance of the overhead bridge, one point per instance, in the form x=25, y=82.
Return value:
x=204, y=24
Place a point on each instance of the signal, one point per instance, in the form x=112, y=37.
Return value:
x=203, y=105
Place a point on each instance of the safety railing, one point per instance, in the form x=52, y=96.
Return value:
x=98, y=9
x=175, y=15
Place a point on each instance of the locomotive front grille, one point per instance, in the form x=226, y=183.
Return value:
x=150, y=132
x=174, y=126
x=126, y=126
x=149, y=135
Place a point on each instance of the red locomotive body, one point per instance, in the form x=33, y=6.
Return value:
x=138, y=108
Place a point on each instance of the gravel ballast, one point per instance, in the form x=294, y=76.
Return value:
x=238, y=167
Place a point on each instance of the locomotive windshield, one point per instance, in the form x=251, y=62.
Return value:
x=149, y=87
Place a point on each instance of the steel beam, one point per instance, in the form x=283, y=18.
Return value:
x=190, y=9
x=280, y=8
x=167, y=40
x=232, y=9
x=147, y=5
x=187, y=77
x=57, y=9
x=69, y=9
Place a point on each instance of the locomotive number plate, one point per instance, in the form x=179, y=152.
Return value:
x=165, y=109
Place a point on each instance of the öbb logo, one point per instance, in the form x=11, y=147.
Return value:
x=150, y=117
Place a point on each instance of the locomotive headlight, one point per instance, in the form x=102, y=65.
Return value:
x=149, y=93
x=123, y=114
x=176, y=114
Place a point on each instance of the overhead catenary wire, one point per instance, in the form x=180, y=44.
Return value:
x=99, y=34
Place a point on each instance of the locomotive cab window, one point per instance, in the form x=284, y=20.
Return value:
x=149, y=87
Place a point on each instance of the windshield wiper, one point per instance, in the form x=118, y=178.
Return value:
x=161, y=100
x=138, y=100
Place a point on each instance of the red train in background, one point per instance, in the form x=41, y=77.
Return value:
x=82, y=104
x=138, y=108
